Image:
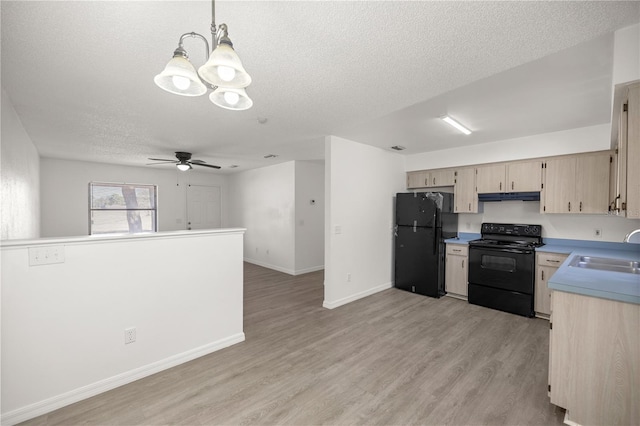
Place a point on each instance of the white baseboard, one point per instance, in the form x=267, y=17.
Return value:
x=284, y=270
x=334, y=304
x=59, y=401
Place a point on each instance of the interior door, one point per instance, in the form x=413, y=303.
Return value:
x=203, y=207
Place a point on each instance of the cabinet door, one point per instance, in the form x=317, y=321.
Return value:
x=542, y=299
x=559, y=185
x=456, y=275
x=441, y=177
x=490, y=179
x=592, y=183
x=417, y=179
x=466, y=198
x=524, y=176
x=633, y=153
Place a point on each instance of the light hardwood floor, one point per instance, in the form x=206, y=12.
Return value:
x=392, y=358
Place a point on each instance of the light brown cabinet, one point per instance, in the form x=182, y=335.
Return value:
x=418, y=179
x=517, y=176
x=456, y=270
x=633, y=153
x=465, y=196
x=524, y=176
x=441, y=177
x=430, y=178
x=546, y=265
x=594, y=359
x=577, y=183
x=490, y=178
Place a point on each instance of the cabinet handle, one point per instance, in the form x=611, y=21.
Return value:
x=500, y=186
x=569, y=205
x=426, y=182
x=469, y=206
x=434, y=181
x=457, y=250
x=511, y=184
x=463, y=263
x=553, y=261
x=580, y=205
x=542, y=274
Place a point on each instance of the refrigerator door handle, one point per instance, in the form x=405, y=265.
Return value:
x=415, y=225
x=433, y=225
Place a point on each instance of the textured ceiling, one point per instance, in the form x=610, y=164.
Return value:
x=80, y=75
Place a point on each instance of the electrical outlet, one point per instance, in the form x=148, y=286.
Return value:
x=129, y=335
x=597, y=233
x=46, y=255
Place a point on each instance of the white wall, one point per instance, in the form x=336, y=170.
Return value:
x=565, y=226
x=263, y=201
x=584, y=139
x=284, y=231
x=63, y=324
x=309, y=182
x=64, y=193
x=360, y=184
x=20, y=178
x=626, y=55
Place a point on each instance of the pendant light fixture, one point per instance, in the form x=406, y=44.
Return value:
x=223, y=71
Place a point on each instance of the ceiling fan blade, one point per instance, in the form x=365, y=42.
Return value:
x=198, y=161
x=205, y=165
x=161, y=159
x=164, y=162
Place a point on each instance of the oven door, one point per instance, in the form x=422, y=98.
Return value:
x=503, y=268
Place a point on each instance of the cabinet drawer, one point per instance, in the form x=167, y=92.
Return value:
x=551, y=259
x=458, y=249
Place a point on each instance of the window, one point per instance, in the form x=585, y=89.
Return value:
x=122, y=208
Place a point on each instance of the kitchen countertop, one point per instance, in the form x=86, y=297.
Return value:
x=620, y=286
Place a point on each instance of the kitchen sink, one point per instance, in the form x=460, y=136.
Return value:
x=606, y=264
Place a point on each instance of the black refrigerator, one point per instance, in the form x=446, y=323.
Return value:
x=423, y=221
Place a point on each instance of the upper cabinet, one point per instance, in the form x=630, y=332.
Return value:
x=430, y=178
x=517, y=176
x=464, y=190
x=633, y=152
x=490, y=178
x=417, y=179
x=524, y=176
x=577, y=184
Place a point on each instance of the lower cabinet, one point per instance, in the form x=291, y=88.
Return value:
x=594, y=359
x=456, y=269
x=546, y=265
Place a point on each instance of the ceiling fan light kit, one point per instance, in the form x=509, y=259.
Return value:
x=223, y=71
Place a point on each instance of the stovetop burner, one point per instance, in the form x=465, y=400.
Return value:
x=501, y=235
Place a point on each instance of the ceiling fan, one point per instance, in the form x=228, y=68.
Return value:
x=184, y=161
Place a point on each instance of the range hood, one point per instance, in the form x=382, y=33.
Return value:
x=510, y=196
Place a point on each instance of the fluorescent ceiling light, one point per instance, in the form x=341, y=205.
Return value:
x=455, y=124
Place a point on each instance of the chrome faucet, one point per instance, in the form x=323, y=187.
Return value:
x=629, y=235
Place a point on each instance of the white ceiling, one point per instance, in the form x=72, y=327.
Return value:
x=80, y=75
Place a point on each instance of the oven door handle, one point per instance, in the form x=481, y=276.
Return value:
x=503, y=250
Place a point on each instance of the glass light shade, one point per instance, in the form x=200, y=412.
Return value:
x=179, y=77
x=217, y=69
x=233, y=99
x=183, y=167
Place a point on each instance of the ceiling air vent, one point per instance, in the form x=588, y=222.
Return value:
x=398, y=147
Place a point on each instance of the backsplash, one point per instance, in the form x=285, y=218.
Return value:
x=566, y=226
